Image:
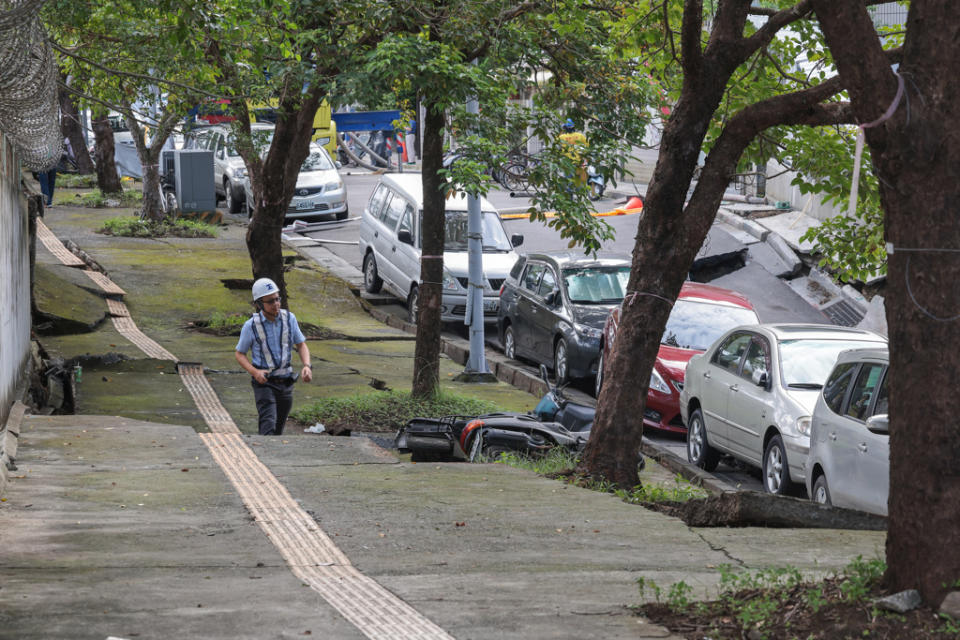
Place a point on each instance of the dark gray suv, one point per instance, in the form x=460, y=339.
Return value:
x=553, y=306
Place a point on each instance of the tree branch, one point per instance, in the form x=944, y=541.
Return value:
x=690, y=32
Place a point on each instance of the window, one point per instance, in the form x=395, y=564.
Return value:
x=406, y=222
x=729, y=354
x=882, y=398
x=836, y=386
x=548, y=284
x=517, y=267
x=863, y=390
x=758, y=358
x=596, y=285
x=377, y=199
x=393, y=211
x=532, y=277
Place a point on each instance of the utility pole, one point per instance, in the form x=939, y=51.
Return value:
x=476, y=369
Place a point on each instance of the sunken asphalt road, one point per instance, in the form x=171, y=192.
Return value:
x=129, y=520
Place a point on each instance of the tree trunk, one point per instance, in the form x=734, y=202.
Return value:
x=273, y=182
x=108, y=180
x=916, y=155
x=426, y=367
x=72, y=129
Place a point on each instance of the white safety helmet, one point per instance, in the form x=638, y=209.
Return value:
x=264, y=286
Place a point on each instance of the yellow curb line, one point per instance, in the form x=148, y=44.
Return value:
x=597, y=214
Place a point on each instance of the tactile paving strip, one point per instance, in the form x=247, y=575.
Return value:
x=311, y=554
x=213, y=412
x=54, y=246
x=129, y=330
x=105, y=283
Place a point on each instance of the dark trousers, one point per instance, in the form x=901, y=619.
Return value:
x=48, y=179
x=274, y=400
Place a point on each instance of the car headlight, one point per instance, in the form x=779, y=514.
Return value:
x=657, y=383
x=588, y=331
x=333, y=186
x=239, y=172
x=803, y=425
x=450, y=283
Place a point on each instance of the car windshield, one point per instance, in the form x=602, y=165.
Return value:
x=318, y=160
x=596, y=285
x=696, y=325
x=494, y=237
x=806, y=363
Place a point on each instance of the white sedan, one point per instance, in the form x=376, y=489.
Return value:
x=752, y=393
x=320, y=189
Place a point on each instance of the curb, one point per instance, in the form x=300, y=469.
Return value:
x=757, y=231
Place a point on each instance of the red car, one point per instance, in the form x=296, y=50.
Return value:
x=701, y=314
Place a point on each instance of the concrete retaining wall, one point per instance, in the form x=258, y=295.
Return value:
x=14, y=279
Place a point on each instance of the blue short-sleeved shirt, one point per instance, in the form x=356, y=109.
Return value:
x=272, y=330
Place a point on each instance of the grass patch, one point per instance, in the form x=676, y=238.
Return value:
x=98, y=199
x=561, y=462
x=134, y=227
x=387, y=411
x=77, y=180
x=781, y=603
x=227, y=324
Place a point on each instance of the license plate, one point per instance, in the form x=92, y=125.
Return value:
x=304, y=206
x=491, y=305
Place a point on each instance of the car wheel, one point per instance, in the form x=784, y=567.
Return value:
x=776, y=473
x=247, y=209
x=492, y=452
x=598, y=383
x=371, y=279
x=821, y=493
x=560, y=364
x=233, y=205
x=509, y=343
x=413, y=301
x=699, y=451
x=342, y=215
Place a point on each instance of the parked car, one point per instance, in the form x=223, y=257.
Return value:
x=390, y=244
x=752, y=393
x=553, y=306
x=319, y=190
x=700, y=315
x=849, y=458
x=229, y=170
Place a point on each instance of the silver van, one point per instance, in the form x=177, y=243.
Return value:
x=390, y=242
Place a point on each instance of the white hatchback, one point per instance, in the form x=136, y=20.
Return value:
x=850, y=436
x=752, y=393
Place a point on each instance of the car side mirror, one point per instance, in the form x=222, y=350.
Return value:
x=339, y=164
x=404, y=236
x=516, y=239
x=551, y=299
x=760, y=378
x=879, y=424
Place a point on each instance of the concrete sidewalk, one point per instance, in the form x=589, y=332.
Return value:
x=113, y=527
x=128, y=526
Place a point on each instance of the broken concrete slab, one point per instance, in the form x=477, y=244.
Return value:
x=900, y=602
x=786, y=253
x=765, y=255
x=791, y=226
x=718, y=248
x=951, y=605
x=63, y=306
x=773, y=299
x=751, y=508
x=876, y=317
x=736, y=233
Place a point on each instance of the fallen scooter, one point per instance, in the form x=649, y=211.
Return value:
x=556, y=421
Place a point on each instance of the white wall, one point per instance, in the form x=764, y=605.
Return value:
x=14, y=278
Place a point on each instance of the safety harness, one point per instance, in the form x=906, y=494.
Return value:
x=284, y=370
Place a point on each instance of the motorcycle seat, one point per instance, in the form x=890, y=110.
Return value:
x=577, y=418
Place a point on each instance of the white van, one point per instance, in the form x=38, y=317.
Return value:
x=390, y=235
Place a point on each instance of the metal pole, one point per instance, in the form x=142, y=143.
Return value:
x=477, y=362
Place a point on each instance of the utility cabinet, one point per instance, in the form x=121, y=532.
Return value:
x=190, y=173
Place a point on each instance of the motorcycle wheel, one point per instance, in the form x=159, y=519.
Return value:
x=492, y=452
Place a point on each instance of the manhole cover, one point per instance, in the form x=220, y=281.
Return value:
x=843, y=313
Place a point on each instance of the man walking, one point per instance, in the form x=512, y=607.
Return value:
x=271, y=335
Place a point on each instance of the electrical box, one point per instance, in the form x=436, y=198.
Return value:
x=192, y=179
